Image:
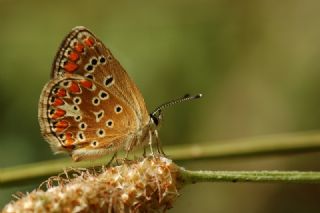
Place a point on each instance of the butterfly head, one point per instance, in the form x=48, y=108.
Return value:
x=156, y=118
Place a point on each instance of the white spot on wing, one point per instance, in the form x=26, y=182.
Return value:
x=118, y=109
x=67, y=52
x=101, y=133
x=99, y=115
x=109, y=123
x=108, y=81
x=81, y=136
x=77, y=100
x=94, y=143
x=90, y=76
x=103, y=95
x=71, y=110
x=78, y=118
x=83, y=125
x=73, y=42
x=95, y=101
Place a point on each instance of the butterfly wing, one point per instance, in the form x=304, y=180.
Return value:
x=82, y=117
x=90, y=107
x=81, y=52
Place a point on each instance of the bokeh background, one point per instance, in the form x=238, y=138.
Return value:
x=256, y=62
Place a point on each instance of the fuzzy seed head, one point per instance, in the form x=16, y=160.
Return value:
x=150, y=185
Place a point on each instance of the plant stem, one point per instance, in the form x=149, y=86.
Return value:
x=268, y=145
x=301, y=142
x=250, y=176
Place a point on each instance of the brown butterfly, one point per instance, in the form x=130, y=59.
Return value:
x=91, y=107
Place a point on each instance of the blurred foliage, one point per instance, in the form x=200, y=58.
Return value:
x=256, y=62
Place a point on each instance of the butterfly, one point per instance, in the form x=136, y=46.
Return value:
x=91, y=107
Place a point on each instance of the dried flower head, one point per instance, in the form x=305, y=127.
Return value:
x=146, y=186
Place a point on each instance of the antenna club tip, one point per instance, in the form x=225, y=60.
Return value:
x=198, y=95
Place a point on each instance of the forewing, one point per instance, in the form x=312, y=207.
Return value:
x=84, y=54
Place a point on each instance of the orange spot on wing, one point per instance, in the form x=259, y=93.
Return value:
x=57, y=102
x=70, y=66
x=89, y=41
x=74, y=56
x=61, y=92
x=69, y=141
x=79, y=47
x=86, y=83
x=68, y=135
x=58, y=113
x=62, y=124
x=59, y=129
x=74, y=88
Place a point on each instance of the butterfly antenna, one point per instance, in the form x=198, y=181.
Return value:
x=186, y=97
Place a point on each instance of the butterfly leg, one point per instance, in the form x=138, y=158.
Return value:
x=130, y=146
x=150, y=143
x=111, y=160
x=127, y=154
x=159, y=146
x=144, y=154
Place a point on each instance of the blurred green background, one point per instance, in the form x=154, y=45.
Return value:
x=256, y=62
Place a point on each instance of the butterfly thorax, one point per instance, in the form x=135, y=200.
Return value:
x=142, y=136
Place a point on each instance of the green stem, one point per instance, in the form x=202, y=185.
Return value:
x=259, y=146
x=250, y=176
x=301, y=142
